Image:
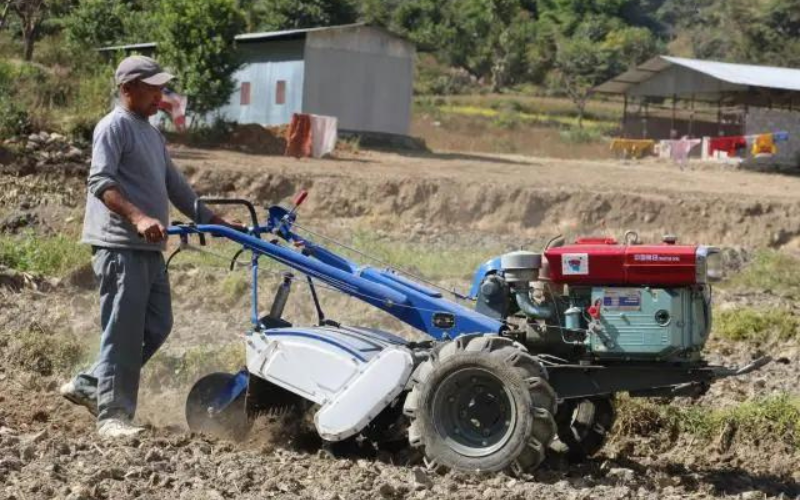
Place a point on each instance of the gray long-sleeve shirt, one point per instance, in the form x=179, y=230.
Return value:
x=131, y=155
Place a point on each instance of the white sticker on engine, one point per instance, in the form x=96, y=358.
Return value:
x=575, y=264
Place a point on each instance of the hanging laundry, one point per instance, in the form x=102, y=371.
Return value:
x=174, y=104
x=680, y=149
x=780, y=137
x=728, y=145
x=764, y=145
x=323, y=135
x=633, y=148
x=298, y=136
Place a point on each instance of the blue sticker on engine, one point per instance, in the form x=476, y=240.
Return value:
x=623, y=300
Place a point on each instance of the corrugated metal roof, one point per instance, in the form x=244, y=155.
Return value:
x=266, y=35
x=737, y=74
x=289, y=33
x=133, y=46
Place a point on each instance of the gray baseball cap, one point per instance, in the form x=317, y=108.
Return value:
x=141, y=68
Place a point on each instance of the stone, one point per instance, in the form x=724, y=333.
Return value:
x=753, y=495
x=73, y=153
x=421, y=479
x=621, y=474
x=28, y=453
x=386, y=490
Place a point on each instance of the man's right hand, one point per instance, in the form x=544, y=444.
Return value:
x=151, y=229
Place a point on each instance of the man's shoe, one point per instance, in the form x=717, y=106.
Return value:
x=114, y=428
x=74, y=395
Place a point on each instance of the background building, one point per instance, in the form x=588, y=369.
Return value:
x=708, y=99
x=362, y=75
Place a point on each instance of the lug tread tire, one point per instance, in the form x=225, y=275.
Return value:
x=586, y=434
x=524, y=376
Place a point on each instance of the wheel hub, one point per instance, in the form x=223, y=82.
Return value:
x=474, y=412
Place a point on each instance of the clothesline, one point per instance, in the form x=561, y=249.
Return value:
x=779, y=136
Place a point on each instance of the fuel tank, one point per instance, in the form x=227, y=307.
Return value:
x=600, y=261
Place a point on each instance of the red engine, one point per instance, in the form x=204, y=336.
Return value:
x=601, y=261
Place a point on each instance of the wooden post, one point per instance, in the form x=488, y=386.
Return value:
x=719, y=117
x=646, y=116
x=691, y=118
x=674, y=105
x=624, y=116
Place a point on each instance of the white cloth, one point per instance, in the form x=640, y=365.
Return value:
x=324, y=133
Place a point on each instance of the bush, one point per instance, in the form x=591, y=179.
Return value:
x=507, y=119
x=14, y=120
x=746, y=324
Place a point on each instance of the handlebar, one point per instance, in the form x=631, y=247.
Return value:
x=228, y=201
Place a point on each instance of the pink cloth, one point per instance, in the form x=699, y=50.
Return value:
x=680, y=149
x=174, y=104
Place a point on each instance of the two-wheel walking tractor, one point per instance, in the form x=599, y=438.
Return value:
x=536, y=356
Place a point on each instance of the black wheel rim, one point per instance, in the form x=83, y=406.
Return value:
x=474, y=412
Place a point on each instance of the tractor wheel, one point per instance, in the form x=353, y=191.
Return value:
x=232, y=423
x=481, y=403
x=584, y=424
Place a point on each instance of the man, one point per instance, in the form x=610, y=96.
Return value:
x=131, y=182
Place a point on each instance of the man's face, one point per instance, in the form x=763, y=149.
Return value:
x=141, y=97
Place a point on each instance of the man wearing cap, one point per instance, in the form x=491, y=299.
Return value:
x=131, y=183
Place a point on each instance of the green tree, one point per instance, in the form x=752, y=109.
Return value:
x=580, y=65
x=96, y=23
x=629, y=47
x=293, y=14
x=196, y=40
x=491, y=39
x=425, y=22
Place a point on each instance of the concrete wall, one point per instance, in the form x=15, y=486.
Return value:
x=266, y=64
x=361, y=75
x=764, y=120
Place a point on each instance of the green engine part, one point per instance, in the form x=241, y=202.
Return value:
x=650, y=323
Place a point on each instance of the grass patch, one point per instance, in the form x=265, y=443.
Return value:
x=423, y=259
x=500, y=117
x=754, y=325
x=174, y=370
x=581, y=135
x=45, y=255
x=769, y=270
x=43, y=353
x=234, y=286
x=773, y=419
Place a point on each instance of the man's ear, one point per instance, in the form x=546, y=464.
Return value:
x=127, y=87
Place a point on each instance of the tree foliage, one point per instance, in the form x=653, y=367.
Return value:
x=292, y=14
x=196, y=40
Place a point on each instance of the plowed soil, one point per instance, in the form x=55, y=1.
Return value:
x=48, y=448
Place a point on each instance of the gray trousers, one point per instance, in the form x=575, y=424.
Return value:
x=136, y=318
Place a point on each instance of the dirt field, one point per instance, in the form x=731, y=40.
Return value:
x=518, y=196
x=443, y=202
